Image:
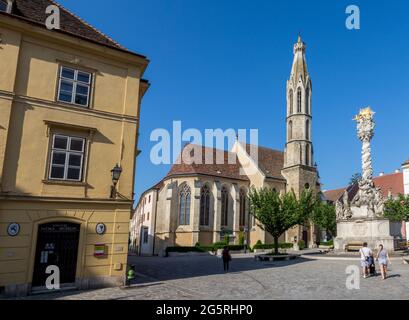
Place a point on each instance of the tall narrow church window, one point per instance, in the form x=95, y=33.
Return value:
x=204, y=206
x=307, y=129
x=225, y=207
x=184, y=205
x=291, y=101
x=299, y=100
x=242, y=207
x=290, y=130
x=307, y=154
x=307, y=101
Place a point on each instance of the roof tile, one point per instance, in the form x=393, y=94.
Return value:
x=270, y=161
x=227, y=169
x=35, y=11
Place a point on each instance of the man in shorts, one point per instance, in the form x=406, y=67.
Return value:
x=366, y=253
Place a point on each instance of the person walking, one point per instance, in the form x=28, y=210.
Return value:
x=366, y=253
x=226, y=258
x=383, y=260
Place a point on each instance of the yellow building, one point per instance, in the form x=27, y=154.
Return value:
x=69, y=112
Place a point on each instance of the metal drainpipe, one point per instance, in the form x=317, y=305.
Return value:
x=154, y=228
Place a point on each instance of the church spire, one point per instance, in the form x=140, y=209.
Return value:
x=299, y=149
x=299, y=68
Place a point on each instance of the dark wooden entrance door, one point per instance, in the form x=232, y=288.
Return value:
x=57, y=244
x=305, y=237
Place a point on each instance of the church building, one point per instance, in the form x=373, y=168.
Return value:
x=204, y=203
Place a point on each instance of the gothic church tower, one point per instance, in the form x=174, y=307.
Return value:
x=299, y=169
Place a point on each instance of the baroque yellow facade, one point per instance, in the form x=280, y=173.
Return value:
x=69, y=113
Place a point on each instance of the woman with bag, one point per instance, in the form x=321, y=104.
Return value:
x=226, y=258
x=383, y=259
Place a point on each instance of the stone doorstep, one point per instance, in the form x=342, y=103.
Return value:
x=348, y=258
x=42, y=290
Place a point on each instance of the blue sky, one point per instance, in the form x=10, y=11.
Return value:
x=224, y=64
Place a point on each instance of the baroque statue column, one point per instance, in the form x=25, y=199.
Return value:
x=362, y=219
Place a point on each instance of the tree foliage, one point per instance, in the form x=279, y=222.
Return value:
x=278, y=213
x=324, y=216
x=397, y=209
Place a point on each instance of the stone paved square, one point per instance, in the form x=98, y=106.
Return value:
x=202, y=277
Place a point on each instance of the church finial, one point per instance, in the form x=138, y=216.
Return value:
x=300, y=45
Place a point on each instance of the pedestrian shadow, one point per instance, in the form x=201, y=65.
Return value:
x=173, y=268
x=140, y=286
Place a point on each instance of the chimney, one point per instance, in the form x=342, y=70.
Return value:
x=381, y=174
x=397, y=171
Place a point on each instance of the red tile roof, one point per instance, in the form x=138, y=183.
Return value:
x=34, y=11
x=334, y=195
x=158, y=186
x=211, y=168
x=270, y=161
x=389, y=182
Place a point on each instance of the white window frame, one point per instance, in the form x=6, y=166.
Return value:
x=74, y=86
x=67, y=153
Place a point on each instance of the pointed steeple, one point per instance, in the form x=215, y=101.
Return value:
x=299, y=68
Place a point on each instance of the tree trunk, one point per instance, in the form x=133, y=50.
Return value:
x=275, y=245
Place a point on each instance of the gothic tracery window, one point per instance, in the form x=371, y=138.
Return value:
x=204, y=206
x=307, y=101
x=299, y=100
x=184, y=205
x=225, y=206
x=291, y=101
x=242, y=207
x=307, y=154
x=307, y=129
x=290, y=130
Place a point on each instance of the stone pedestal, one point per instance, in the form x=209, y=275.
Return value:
x=372, y=231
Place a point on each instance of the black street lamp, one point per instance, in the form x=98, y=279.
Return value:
x=116, y=174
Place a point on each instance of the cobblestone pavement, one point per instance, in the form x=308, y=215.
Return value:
x=201, y=277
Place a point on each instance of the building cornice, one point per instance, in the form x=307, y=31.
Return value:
x=301, y=166
x=190, y=175
x=67, y=107
x=36, y=29
x=298, y=140
x=299, y=114
x=276, y=179
x=27, y=198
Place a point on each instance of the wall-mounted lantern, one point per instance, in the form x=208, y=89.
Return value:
x=116, y=174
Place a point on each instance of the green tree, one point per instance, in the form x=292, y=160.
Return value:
x=355, y=178
x=397, y=209
x=323, y=215
x=276, y=213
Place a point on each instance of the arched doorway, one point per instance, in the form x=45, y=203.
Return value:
x=57, y=244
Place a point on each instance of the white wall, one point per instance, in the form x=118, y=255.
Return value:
x=406, y=178
x=147, y=205
x=406, y=191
